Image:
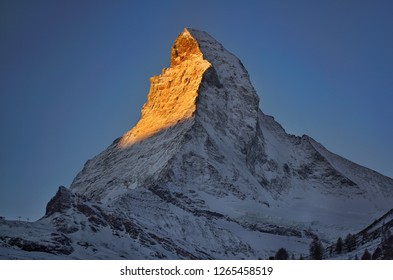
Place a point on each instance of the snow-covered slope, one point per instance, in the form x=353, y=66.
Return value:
x=205, y=174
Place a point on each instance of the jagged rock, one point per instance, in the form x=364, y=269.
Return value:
x=61, y=202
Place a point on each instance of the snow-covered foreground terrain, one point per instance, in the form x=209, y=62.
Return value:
x=206, y=175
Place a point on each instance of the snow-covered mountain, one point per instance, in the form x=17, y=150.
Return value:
x=204, y=174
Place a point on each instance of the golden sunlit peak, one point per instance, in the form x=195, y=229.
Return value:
x=184, y=48
x=172, y=95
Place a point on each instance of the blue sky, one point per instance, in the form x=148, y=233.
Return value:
x=74, y=75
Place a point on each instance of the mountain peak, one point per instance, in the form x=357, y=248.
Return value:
x=172, y=95
x=204, y=96
x=184, y=48
x=201, y=74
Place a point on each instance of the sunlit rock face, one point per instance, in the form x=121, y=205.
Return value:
x=172, y=96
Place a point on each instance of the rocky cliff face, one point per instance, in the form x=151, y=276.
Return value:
x=173, y=94
x=205, y=174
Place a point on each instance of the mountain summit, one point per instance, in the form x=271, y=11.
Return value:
x=205, y=93
x=172, y=96
x=204, y=174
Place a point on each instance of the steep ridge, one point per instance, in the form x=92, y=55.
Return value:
x=205, y=174
x=378, y=186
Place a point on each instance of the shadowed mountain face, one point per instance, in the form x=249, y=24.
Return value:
x=203, y=174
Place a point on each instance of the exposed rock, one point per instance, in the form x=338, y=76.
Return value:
x=60, y=203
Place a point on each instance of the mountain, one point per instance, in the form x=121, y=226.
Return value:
x=204, y=174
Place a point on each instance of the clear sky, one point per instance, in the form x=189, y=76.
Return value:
x=74, y=75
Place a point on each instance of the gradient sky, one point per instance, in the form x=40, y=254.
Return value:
x=74, y=75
